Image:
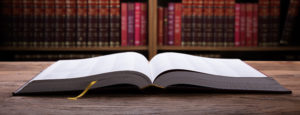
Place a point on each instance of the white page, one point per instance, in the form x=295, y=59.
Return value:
x=222, y=67
x=67, y=69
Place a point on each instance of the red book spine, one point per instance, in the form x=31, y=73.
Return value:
x=115, y=22
x=28, y=22
x=275, y=22
x=160, y=26
x=82, y=12
x=171, y=22
x=187, y=20
x=39, y=25
x=166, y=14
x=137, y=24
x=60, y=16
x=198, y=23
x=218, y=23
x=71, y=13
x=124, y=24
x=255, y=24
x=249, y=24
x=243, y=25
x=17, y=25
x=104, y=22
x=144, y=24
x=92, y=23
x=229, y=23
x=177, y=28
x=263, y=20
x=237, y=26
x=130, y=24
x=208, y=22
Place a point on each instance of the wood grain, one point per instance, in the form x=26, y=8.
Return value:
x=15, y=74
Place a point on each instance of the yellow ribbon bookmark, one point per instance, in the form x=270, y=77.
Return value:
x=84, y=92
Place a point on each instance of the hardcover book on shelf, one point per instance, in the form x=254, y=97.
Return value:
x=82, y=13
x=249, y=24
x=71, y=23
x=17, y=22
x=229, y=23
x=49, y=22
x=92, y=23
x=263, y=19
x=39, y=22
x=131, y=26
x=104, y=23
x=60, y=26
x=124, y=24
x=171, y=22
x=160, y=29
x=243, y=26
x=208, y=22
x=137, y=23
x=237, y=25
x=198, y=23
x=274, y=31
x=115, y=22
x=163, y=71
x=219, y=18
x=144, y=24
x=187, y=20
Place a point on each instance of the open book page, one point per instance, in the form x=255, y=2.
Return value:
x=66, y=69
x=221, y=67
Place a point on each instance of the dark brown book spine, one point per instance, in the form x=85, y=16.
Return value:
x=144, y=24
x=49, y=22
x=263, y=20
x=208, y=22
x=229, y=23
x=28, y=22
x=71, y=15
x=274, y=32
x=17, y=23
x=115, y=22
x=187, y=20
x=218, y=29
x=198, y=23
x=82, y=13
x=165, y=36
x=160, y=29
x=60, y=27
x=92, y=23
x=104, y=20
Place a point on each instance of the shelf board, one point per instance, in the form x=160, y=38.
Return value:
x=132, y=48
x=197, y=48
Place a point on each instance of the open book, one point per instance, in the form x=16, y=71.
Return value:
x=164, y=70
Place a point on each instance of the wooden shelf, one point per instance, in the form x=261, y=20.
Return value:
x=134, y=48
x=190, y=48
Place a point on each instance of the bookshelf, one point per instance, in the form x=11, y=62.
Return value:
x=152, y=47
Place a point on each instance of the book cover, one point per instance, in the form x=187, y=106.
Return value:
x=208, y=22
x=229, y=23
x=171, y=22
x=130, y=24
x=124, y=24
x=28, y=23
x=160, y=26
x=187, y=19
x=198, y=23
x=71, y=23
x=237, y=25
x=104, y=23
x=219, y=19
x=177, y=24
x=82, y=13
x=263, y=20
x=255, y=24
x=92, y=23
x=39, y=24
x=243, y=22
x=115, y=22
x=249, y=24
x=166, y=36
x=137, y=24
x=60, y=27
x=144, y=17
x=274, y=32
x=17, y=22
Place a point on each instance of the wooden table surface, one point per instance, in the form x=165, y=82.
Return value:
x=15, y=74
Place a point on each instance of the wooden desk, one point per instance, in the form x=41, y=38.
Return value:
x=15, y=74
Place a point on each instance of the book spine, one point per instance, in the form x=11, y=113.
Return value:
x=114, y=22
x=177, y=24
x=6, y=11
x=137, y=24
x=17, y=23
x=131, y=24
x=198, y=23
x=49, y=22
x=171, y=14
x=165, y=38
x=124, y=24
x=71, y=15
x=218, y=23
x=263, y=19
x=243, y=24
x=255, y=24
x=237, y=25
x=144, y=32
x=28, y=22
x=229, y=23
x=60, y=27
x=290, y=20
x=39, y=25
x=104, y=26
x=82, y=13
x=160, y=26
x=186, y=22
x=274, y=32
x=249, y=24
x=92, y=23
x=208, y=22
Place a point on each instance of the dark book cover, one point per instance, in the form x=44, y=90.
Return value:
x=243, y=25
x=274, y=31
x=39, y=23
x=198, y=23
x=219, y=19
x=60, y=27
x=144, y=23
x=165, y=36
x=160, y=26
x=237, y=25
x=177, y=24
x=208, y=22
x=130, y=24
x=124, y=24
x=17, y=22
x=104, y=18
x=171, y=22
x=187, y=20
x=71, y=23
x=115, y=22
x=263, y=22
x=28, y=23
x=82, y=13
x=229, y=23
x=255, y=24
x=92, y=23
x=249, y=24
x=49, y=22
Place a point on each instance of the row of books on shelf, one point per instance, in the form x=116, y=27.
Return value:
x=71, y=23
x=225, y=23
